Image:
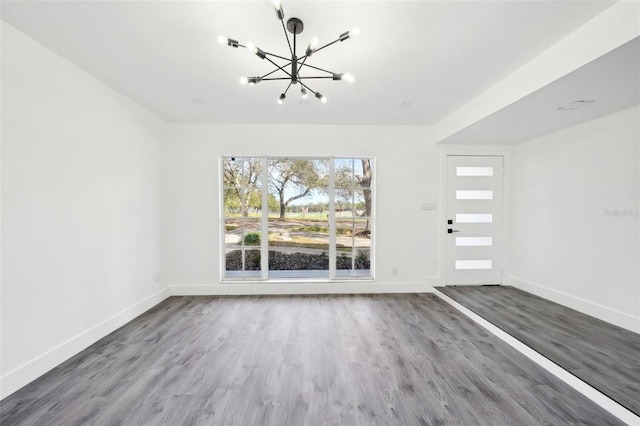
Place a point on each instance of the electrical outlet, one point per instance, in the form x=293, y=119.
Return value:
x=394, y=270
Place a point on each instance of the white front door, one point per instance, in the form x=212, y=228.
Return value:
x=474, y=220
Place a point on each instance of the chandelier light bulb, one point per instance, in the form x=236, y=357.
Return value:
x=312, y=46
x=349, y=34
x=229, y=42
x=260, y=53
x=251, y=48
x=244, y=80
x=304, y=92
x=348, y=77
x=278, y=7
x=322, y=98
x=281, y=99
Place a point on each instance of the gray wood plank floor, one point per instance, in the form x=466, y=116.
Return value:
x=601, y=354
x=303, y=360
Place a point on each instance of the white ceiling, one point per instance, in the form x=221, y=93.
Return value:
x=611, y=82
x=415, y=62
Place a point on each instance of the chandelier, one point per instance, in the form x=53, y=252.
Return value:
x=294, y=66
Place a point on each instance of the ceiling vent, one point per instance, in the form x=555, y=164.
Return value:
x=572, y=106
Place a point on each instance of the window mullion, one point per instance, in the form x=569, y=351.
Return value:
x=223, y=244
x=332, y=220
x=264, y=225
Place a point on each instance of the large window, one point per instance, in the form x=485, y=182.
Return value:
x=297, y=218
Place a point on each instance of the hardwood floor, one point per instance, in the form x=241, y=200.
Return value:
x=303, y=360
x=603, y=355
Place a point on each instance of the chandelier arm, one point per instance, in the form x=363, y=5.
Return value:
x=277, y=56
x=308, y=88
x=276, y=78
x=287, y=36
x=276, y=70
x=319, y=69
x=285, y=92
x=279, y=67
x=326, y=45
x=319, y=48
x=316, y=77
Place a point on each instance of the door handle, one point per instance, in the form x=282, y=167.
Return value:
x=451, y=231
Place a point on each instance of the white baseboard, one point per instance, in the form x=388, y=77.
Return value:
x=31, y=370
x=356, y=287
x=604, y=313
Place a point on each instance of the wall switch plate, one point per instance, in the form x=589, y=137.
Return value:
x=429, y=206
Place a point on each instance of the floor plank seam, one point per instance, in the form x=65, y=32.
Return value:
x=576, y=383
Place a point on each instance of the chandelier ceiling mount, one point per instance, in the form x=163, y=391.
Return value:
x=295, y=25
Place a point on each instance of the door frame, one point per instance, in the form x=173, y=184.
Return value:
x=479, y=151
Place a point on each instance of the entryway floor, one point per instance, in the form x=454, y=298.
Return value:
x=603, y=355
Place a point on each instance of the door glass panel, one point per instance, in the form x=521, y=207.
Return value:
x=474, y=241
x=462, y=194
x=474, y=218
x=474, y=171
x=473, y=264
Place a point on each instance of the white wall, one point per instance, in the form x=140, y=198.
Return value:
x=407, y=175
x=574, y=217
x=82, y=199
